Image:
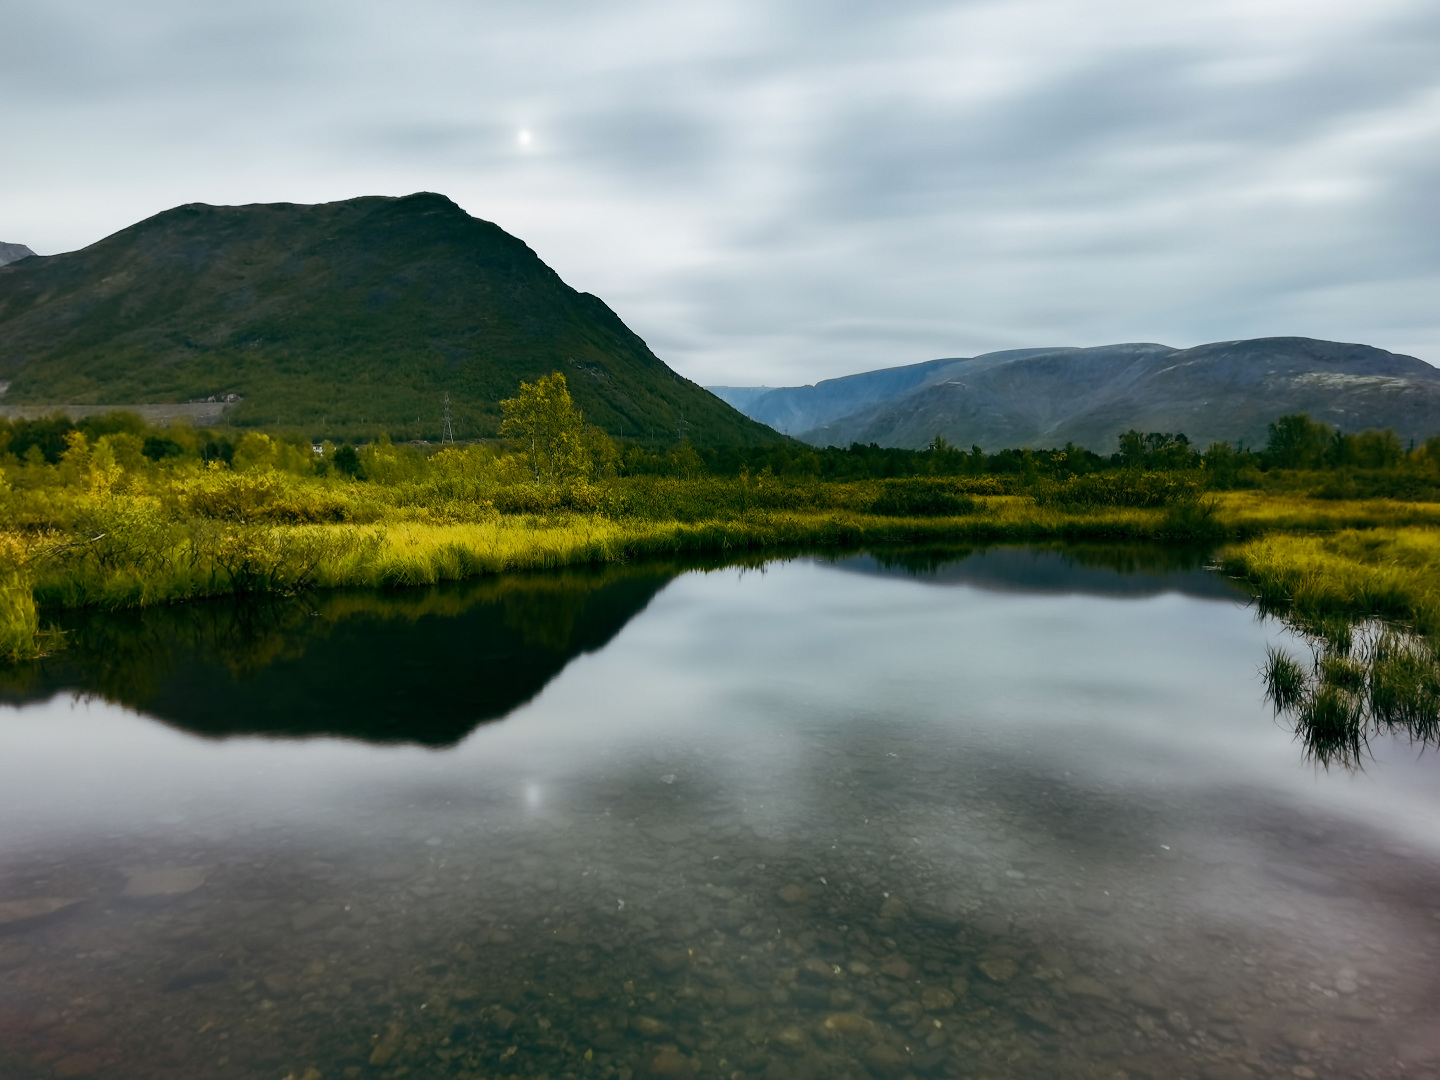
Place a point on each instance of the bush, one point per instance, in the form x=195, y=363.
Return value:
x=1130, y=488
x=921, y=498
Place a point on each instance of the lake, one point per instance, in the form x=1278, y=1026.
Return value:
x=1017, y=812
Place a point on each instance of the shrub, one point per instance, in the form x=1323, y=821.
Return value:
x=921, y=498
x=1128, y=488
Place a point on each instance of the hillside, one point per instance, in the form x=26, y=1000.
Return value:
x=13, y=252
x=1047, y=397
x=342, y=319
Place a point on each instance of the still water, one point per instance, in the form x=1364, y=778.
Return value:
x=1008, y=813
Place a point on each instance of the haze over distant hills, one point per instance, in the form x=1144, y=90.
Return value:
x=1228, y=390
x=342, y=319
x=13, y=252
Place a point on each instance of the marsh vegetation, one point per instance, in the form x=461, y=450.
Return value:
x=114, y=514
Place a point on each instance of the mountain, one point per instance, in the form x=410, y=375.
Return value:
x=1228, y=390
x=342, y=319
x=13, y=253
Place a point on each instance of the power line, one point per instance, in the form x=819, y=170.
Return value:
x=448, y=435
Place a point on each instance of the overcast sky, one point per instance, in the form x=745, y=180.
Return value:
x=783, y=191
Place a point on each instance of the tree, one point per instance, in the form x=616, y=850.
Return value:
x=547, y=429
x=347, y=461
x=1297, y=442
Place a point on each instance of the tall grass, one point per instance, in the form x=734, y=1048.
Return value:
x=104, y=529
x=1388, y=573
x=1380, y=680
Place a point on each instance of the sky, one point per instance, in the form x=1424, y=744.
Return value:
x=784, y=191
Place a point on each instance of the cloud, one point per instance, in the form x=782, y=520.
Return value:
x=786, y=191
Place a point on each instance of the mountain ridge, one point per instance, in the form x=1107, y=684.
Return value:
x=13, y=253
x=1222, y=391
x=343, y=318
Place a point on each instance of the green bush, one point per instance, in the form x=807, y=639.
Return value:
x=1128, y=488
x=921, y=498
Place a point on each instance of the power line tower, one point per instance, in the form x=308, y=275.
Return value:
x=448, y=435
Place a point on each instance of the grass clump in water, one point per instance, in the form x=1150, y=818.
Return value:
x=1384, y=681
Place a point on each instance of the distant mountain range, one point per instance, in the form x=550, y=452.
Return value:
x=342, y=319
x=13, y=252
x=1228, y=391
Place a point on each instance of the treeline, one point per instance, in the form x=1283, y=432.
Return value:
x=1368, y=463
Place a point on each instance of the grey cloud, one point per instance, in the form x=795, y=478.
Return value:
x=792, y=190
x=640, y=143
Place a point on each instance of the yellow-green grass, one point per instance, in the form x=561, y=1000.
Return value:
x=1389, y=573
x=1248, y=513
x=1365, y=557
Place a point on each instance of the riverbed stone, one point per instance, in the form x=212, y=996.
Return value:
x=1085, y=986
x=649, y=1027
x=894, y=908
x=998, y=969
x=15, y=912
x=1146, y=994
x=668, y=1063
x=885, y=1060
x=848, y=1024
x=165, y=881
x=937, y=999
x=897, y=967
x=791, y=1038
x=388, y=1046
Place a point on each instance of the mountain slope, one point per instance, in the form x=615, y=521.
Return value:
x=343, y=319
x=13, y=252
x=1048, y=397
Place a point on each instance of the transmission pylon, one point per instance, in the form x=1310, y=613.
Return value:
x=448, y=435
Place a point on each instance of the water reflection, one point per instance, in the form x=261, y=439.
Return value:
x=412, y=665
x=428, y=666
x=1118, y=570
x=1364, y=680
x=789, y=825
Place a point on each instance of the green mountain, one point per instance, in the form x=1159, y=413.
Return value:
x=1228, y=390
x=342, y=319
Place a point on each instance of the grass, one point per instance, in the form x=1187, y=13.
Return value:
x=106, y=527
x=1388, y=572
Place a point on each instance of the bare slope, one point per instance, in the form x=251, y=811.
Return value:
x=1048, y=397
x=342, y=319
x=13, y=253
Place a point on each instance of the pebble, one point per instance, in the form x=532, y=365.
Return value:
x=998, y=969
x=937, y=999
x=648, y=1026
x=894, y=908
x=791, y=1038
x=1085, y=986
x=848, y=1024
x=897, y=967
x=1146, y=994
x=388, y=1045
x=739, y=999
x=669, y=1064
x=886, y=1060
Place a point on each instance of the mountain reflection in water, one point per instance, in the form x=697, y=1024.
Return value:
x=823, y=820
x=429, y=665
x=415, y=665
x=1116, y=570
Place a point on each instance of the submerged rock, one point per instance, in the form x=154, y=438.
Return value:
x=388, y=1046
x=167, y=881
x=14, y=912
